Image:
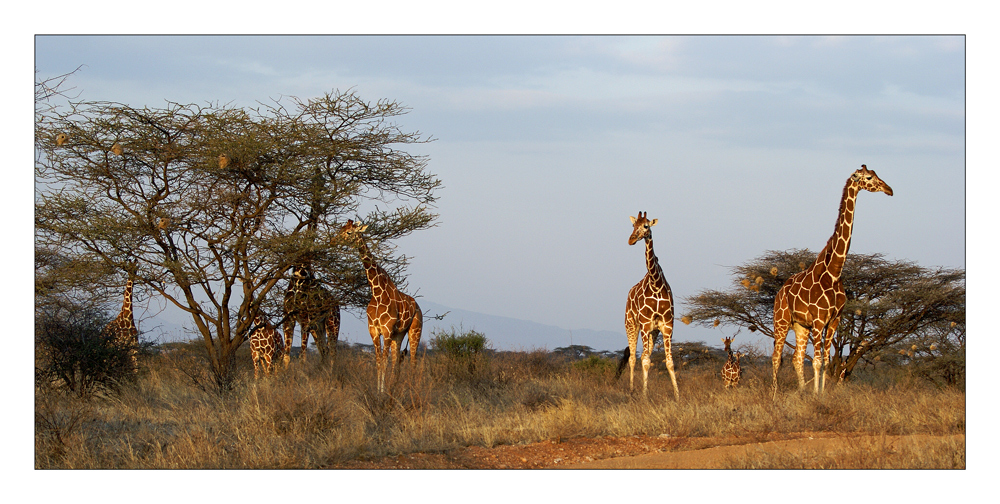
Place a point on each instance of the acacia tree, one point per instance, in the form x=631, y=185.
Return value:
x=215, y=203
x=888, y=303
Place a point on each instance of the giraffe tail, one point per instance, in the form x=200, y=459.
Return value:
x=621, y=363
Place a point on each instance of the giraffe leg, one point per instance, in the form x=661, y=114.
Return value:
x=416, y=328
x=306, y=329
x=780, y=334
x=256, y=358
x=392, y=350
x=379, y=362
x=667, y=329
x=632, y=332
x=831, y=331
x=289, y=328
x=319, y=335
x=648, y=337
x=333, y=330
x=820, y=357
x=798, y=358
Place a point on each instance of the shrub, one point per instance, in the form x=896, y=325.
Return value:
x=73, y=351
x=464, y=352
x=596, y=365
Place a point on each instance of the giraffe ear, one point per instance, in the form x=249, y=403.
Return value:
x=363, y=228
x=653, y=222
x=632, y=219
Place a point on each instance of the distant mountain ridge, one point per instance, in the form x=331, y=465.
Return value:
x=503, y=333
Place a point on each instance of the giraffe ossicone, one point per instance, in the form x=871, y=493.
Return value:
x=649, y=308
x=392, y=314
x=810, y=301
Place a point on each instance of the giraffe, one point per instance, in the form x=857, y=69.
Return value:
x=122, y=329
x=391, y=314
x=731, y=371
x=265, y=344
x=810, y=301
x=316, y=311
x=650, y=308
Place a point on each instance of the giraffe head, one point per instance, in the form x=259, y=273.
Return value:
x=728, y=342
x=640, y=228
x=351, y=231
x=867, y=179
x=301, y=271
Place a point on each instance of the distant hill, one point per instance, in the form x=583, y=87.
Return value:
x=503, y=333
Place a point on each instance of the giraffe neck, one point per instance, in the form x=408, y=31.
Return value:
x=127, y=302
x=652, y=264
x=372, y=271
x=834, y=254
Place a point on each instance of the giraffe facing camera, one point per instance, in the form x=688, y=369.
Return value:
x=649, y=308
x=731, y=370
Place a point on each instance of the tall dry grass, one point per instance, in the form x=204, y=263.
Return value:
x=312, y=415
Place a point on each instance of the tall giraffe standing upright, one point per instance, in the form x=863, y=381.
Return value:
x=650, y=308
x=810, y=301
x=122, y=328
x=316, y=311
x=391, y=314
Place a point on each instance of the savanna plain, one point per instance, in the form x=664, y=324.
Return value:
x=486, y=409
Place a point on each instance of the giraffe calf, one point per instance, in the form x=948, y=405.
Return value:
x=265, y=345
x=731, y=370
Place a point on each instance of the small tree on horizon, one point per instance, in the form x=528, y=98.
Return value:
x=215, y=203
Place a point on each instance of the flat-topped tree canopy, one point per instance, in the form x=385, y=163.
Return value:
x=216, y=202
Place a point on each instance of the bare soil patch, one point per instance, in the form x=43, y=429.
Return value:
x=628, y=452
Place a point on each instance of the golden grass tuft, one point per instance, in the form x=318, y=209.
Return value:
x=314, y=415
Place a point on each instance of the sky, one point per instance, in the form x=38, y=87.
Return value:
x=547, y=144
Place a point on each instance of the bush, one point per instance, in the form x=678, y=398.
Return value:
x=464, y=351
x=73, y=351
x=596, y=365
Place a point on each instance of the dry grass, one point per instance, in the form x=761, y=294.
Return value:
x=311, y=415
x=880, y=452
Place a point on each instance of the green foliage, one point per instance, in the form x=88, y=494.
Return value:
x=464, y=351
x=73, y=351
x=216, y=202
x=596, y=365
x=458, y=345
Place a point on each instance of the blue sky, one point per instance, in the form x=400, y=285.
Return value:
x=547, y=144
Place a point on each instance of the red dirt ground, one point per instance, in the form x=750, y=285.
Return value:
x=630, y=452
